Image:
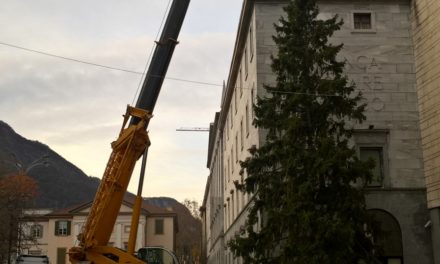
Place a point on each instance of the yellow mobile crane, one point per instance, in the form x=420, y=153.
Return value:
x=132, y=143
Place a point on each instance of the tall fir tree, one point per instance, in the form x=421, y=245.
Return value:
x=302, y=178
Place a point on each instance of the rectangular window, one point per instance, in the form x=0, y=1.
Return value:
x=232, y=206
x=237, y=198
x=227, y=128
x=247, y=119
x=37, y=231
x=235, y=101
x=231, y=122
x=362, y=21
x=228, y=214
x=236, y=147
x=235, y=96
x=252, y=101
x=225, y=175
x=232, y=158
x=127, y=229
x=251, y=42
x=224, y=139
x=241, y=83
x=245, y=64
x=158, y=226
x=374, y=153
x=242, y=198
x=229, y=177
x=241, y=134
x=62, y=228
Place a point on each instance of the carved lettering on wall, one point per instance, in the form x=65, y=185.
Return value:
x=348, y=66
x=377, y=104
x=373, y=81
x=362, y=61
x=373, y=66
x=364, y=64
x=370, y=79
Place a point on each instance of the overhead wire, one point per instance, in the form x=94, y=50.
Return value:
x=68, y=58
x=170, y=78
x=101, y=65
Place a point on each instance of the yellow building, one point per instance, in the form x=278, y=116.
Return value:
x=55, y=232
x=426, y=36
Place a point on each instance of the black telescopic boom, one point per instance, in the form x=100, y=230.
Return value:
x=161, y=57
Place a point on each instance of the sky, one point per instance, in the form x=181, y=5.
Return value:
x=76, y=109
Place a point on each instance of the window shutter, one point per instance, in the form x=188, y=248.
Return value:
x=57, y=225
x=61, y=255
x=68, y=227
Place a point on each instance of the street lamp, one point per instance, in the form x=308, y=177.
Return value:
x=23, y=170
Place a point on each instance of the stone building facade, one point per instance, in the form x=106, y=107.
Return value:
x=378, y=48
x=212, y=209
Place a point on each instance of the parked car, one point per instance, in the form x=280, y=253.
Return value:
x=32, y=259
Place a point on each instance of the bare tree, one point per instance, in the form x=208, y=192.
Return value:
x=17, y=191
x=191, y=250
x=193, y=207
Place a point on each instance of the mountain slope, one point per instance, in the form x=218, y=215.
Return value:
x=61, y=183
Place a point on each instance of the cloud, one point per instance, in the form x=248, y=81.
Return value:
x=77, y=109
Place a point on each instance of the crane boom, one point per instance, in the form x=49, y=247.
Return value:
x=161, y=57
x=132, y=142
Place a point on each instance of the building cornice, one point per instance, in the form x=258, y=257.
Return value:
x=240, y=41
